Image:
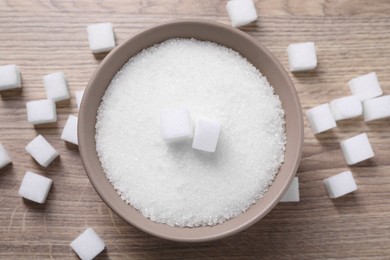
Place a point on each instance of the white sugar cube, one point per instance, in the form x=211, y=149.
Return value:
x=340, y=184
x=206, y=135
x=365, y=86
x=241, y=12
x=9, y=77
x=5, y=159
x=320, y=118
x=79, y=97
x=69, y=133
x=88, y=245
x=175, y=125
x=376, y=108
x=346, y=107
x=292, y=193
x=41, y=111
x=101, y=37
x=356, y=149
x=302, y=56
x=56, y=86
x=42, y=151
x=35, y=187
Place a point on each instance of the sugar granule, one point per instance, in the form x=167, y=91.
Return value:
x=172, y=183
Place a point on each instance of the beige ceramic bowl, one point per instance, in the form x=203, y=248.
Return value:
x=237, y=40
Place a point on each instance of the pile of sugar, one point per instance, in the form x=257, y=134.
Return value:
x=172, y=183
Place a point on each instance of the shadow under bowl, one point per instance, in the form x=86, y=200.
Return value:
x=232, y=38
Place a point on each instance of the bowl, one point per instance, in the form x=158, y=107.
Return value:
x=232, y=38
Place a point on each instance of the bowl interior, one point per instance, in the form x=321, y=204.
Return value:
x=260, y=57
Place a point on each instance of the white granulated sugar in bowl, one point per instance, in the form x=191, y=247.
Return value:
x=173, y=183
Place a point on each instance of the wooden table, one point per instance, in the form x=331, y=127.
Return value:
x=352, y=38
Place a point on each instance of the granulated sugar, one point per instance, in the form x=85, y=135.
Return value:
x=173, y=183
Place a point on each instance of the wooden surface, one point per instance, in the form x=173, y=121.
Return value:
x=352, y=38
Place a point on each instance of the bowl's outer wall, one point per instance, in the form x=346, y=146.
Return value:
x=230, y=37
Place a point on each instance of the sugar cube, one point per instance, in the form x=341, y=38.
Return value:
x=320, y=118
x=292, y=193
x=346, y=107
x=101, y=37
x=376, y=108
x=79, y=97
x=356, y=149
x=206, y=135
x=56, y=86
x=41, y=111
x=5, y=159
x=241, y=12
x=340, y=184
x=35, y=187
x=88, y=245
x=9, y=77
x=302, y=56
x=365, y=86
x=42, y=151
x=175, y=125
x=69, y=133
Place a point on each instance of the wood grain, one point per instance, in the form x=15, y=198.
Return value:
x=352, y=38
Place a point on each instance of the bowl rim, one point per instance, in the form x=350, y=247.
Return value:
x=86, y=153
